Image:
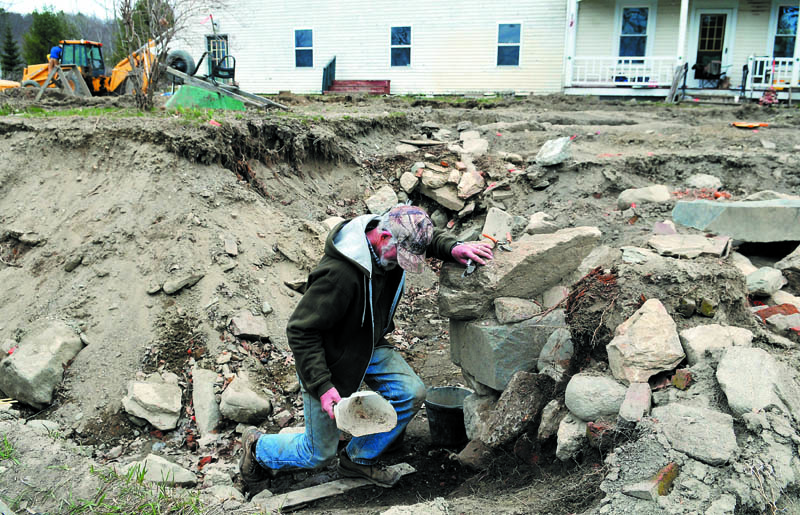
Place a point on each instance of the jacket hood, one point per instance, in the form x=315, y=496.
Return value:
x=348, y=240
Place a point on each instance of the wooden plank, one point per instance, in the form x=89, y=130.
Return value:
x=676, y=81
x=244, y=96
x=291, y=500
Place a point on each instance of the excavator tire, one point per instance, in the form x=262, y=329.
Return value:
x=30, y=84
x=181, y=61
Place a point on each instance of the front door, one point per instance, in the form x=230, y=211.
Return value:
x=710, y=53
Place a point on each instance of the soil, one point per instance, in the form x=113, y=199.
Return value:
x=139, y=199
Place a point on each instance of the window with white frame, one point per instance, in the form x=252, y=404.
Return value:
x=785, y=31
x=509, y=41
x=303, y=48
x=633, y=31
x=401, y=46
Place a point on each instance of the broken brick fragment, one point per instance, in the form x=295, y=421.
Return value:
x=780, y=309
x=682, y=379
x=665, y=477
x=598, y=433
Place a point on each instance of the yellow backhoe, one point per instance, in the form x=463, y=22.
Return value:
x=86, y=58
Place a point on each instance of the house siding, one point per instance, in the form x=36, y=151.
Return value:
x=596, y=20
x=453, y=46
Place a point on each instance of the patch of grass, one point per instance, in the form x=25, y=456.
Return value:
x=40, y=112
x=129, y=493
x=7, y=451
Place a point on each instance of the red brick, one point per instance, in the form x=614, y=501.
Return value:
x=780, y=309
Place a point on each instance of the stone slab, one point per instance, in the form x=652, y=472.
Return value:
x=689, y=245
x=547, y=257
x=709, y=341
x=761, y=221
x=33, y=371
x=492, y=353
x=703, y=434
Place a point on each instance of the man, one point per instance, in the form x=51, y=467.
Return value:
x=55, y=57
x=337, y=336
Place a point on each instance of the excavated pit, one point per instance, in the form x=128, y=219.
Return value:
x=123, y=202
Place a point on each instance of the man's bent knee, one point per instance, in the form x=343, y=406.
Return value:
x=418, y=394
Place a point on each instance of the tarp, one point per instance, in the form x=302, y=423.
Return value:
x=193, y=97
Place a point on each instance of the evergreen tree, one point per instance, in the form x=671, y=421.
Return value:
x=47, y=29
x=9, y=57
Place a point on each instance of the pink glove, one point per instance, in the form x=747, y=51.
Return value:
x=477, y=251
x=328, y=400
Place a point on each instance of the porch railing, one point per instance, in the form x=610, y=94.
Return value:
x=621, y=71
x=767, y=72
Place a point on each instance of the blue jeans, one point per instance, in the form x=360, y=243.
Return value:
x=389, y=375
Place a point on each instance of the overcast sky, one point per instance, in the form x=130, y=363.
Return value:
x=99, y=8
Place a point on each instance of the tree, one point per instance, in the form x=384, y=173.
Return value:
x=47, y=29
x=151, y=25
x=9, y=57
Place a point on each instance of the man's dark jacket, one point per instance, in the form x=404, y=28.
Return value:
x=347, y=309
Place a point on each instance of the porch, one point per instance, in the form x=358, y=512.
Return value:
x=697, y=50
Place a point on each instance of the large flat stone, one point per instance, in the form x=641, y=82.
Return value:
x=547, y=257
x=762, y=221
x=241, y=404
x=554, y=151
x=709, y=341
x=446, y=196
x=703, y=434
x=492, y=353
x=382, y=200
x=498, y=223
x=657, y=194
x=645, y=344
x=206, y=409
x=162, y=471
x=517, y=408
x=248, y=326
x=753, y=381
x=158, y=403
x=689, y=245
x=32, y=373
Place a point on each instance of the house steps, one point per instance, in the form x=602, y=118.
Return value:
x=372, y=87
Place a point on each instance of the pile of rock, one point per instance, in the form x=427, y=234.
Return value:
x=458, y=186
x=691, y=411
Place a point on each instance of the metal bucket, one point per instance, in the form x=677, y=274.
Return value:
x=445, y=408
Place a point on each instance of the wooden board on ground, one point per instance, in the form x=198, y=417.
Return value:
x=293, y=500
x=422, y=142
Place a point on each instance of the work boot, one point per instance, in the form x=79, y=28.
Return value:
x=376, y=474
x=249, y=468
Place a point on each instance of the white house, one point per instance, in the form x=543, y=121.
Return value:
x=614, y=45
x=606, y=47
x=419, y=45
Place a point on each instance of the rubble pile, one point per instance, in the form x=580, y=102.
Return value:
x=689, y=382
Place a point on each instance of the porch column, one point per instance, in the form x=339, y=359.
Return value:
x=684, y=19
x=571, y=36
x=795, y=64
